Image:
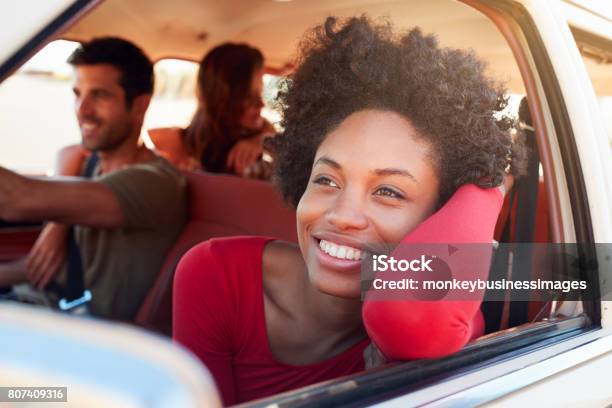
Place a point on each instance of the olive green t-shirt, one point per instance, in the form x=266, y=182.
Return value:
x=120, y=264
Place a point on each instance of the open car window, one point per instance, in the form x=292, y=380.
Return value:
x=553, y=209
x=37, y=102
x=175, y=101
x=41, y=90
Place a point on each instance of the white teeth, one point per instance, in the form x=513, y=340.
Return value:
x=88, y=126
x=340, y=251
x=350, y=253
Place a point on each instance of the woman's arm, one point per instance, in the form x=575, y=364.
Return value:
x=411, y=329
x=70, y=160
x=245, y=153
x=168, y=143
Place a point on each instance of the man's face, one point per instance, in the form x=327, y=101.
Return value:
x=104, y=118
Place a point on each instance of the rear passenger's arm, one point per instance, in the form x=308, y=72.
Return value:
x=70, y=160
x=76, y=201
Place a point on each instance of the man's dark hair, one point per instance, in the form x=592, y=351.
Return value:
x=443, y=92
x=135, y=67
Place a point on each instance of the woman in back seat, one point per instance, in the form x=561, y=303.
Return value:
x=387, y=140
x=227, y=131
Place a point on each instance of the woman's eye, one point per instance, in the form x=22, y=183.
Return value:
x=326, y=181
x=388, y=192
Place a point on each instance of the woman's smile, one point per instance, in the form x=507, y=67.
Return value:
x=363, y=194
x=337, y=252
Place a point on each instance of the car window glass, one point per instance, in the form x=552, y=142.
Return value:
x=37, y=110
x=597, y=56
x=175, y=100
x=37, y=106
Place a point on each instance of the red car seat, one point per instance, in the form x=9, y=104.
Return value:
x=219, y=205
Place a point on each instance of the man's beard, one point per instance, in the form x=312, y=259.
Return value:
x=110, y=138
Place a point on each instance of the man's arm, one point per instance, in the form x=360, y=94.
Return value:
x=12, y=273
x=49, y=251
x=70, y=201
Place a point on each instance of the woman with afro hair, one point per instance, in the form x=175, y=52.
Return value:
x=388, y=139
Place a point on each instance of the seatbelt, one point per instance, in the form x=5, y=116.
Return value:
x=76, y=297
x=527, y=189
x=493, y=310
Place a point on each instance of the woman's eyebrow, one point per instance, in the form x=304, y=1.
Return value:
x=394, y=172
x=328, y=161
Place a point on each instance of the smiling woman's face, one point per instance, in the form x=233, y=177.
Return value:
x=372, y=182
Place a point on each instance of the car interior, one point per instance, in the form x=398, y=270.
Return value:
x=539, y=209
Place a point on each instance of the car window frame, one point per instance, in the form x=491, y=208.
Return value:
x=513, y=20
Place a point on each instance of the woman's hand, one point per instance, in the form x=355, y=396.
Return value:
x=47, y=254
x=260, y=170
x=244, y=153
x=188, y=164
x=506, y=186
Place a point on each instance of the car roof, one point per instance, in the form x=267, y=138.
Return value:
x=187, y=29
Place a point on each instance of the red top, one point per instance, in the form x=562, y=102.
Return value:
x=220, y=318
x=219, y=310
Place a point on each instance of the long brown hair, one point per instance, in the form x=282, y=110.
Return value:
x=224, y=84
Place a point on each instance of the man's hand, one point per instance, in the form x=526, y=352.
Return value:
x=243, y=154
x=47, y=255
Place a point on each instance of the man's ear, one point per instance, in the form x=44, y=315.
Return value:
x=140, y=105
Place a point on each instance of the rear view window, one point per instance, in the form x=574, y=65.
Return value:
x=37, y=106
x=175, y=100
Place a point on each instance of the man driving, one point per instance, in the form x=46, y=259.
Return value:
x=127, y=215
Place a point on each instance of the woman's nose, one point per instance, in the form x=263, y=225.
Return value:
x=347, y=213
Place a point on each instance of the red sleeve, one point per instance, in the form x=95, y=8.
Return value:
x=412, y=329
x=204, y=314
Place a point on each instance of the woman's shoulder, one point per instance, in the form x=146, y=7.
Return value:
x=166, y=137
x=168, y=143
x=228, y=250
x=224, y=257
x=220, y=267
